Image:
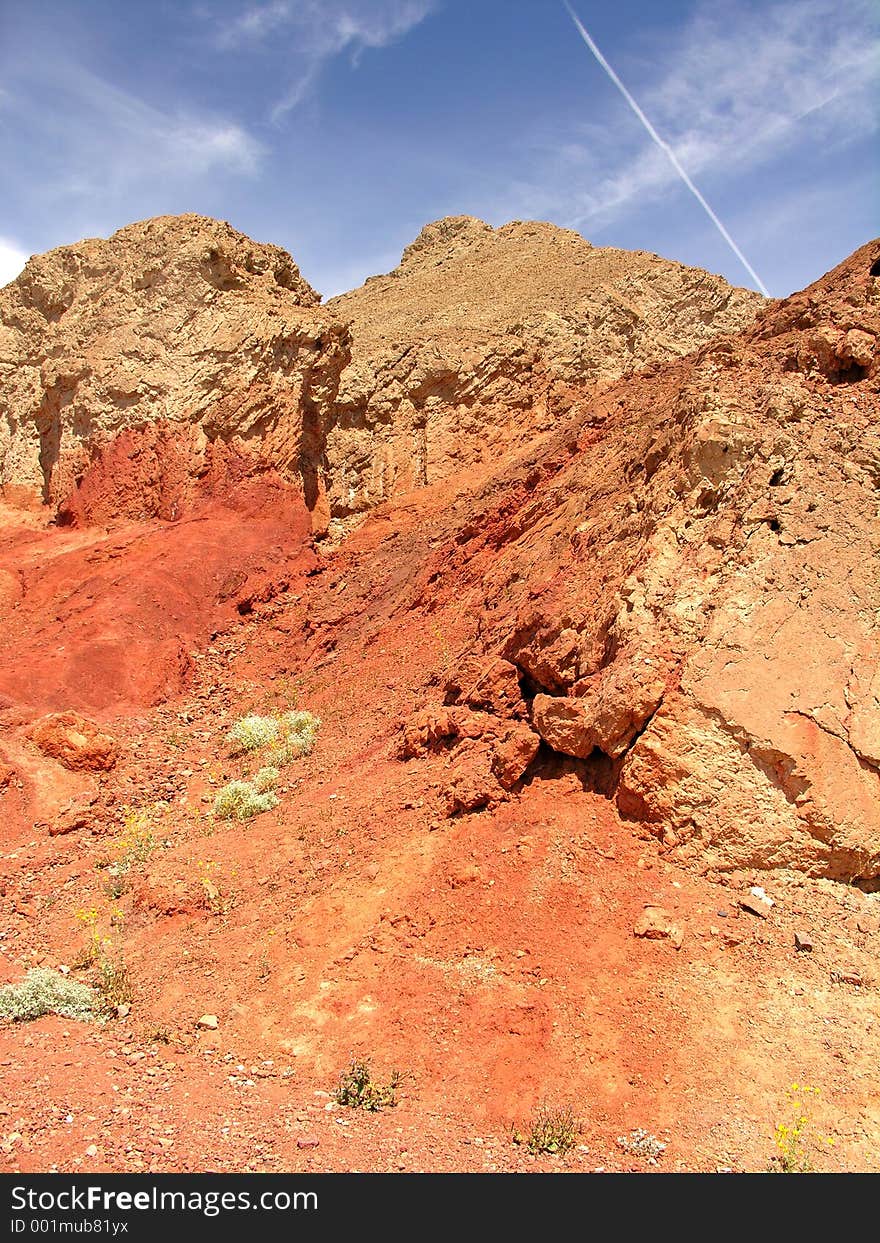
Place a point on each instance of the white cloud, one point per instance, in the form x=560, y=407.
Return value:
x=135, y=139
x=742, y=85
x=315, y=31
x=253, y=24
x=106, y=141
x=12, y=260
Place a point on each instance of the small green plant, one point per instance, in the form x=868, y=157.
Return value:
x=95, y=943
x=553, y=1131
x=792, y=1137
x=114, y=983
x=103, y=955
x=265, y=779
x=298, y=732
x=241, y=800
x=641, y=1143
x=209, y=879
x=47, y=992
x=359, y=1090
x=133, y=847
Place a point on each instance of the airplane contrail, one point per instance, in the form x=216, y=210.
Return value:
x=665, y=147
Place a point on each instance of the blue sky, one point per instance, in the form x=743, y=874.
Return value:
x=337, y=128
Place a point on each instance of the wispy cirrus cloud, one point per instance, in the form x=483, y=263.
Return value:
x=741, y=85
x=109, y=140
x=313, y=32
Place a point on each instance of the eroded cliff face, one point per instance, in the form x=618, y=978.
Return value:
x=483, y=338
x=766, y=749
x=177, y=331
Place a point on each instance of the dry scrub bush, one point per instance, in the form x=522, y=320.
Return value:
x=47, y=992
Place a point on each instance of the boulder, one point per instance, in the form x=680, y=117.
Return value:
x=75, y=742
x=605, y=712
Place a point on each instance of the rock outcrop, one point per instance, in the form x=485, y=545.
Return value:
x=483, y=338
x=75, y=742
x=689, y=590
x=178, y=331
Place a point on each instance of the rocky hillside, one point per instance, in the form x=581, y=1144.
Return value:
x=669, y=580
x=483, y=338
x=682, y=583
x=606, y=677
x=178, y=322
x=181, y=332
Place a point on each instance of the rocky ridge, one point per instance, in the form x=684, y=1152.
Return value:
x=483, y=338
x=180, y=332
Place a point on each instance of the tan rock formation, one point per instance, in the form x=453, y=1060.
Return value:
x=482, y=339
x=179, y=332
x=178, y=320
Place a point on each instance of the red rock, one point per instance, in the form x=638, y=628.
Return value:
x=75, y=742
x=513, y=753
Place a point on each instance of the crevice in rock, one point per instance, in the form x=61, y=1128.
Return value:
x=867, y=884
x=849, y=375
x=598, y=773
x=867, y=765
x=529, y=687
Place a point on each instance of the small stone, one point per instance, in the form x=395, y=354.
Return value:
x=849, y=977
x=308, y=1141
x=755, y=905
x=656, y=924
x=92, y=1150
x=209, y=1022
x=803, y=942
x=123, y=1010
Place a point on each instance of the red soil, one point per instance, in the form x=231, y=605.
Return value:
x=490, y=956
